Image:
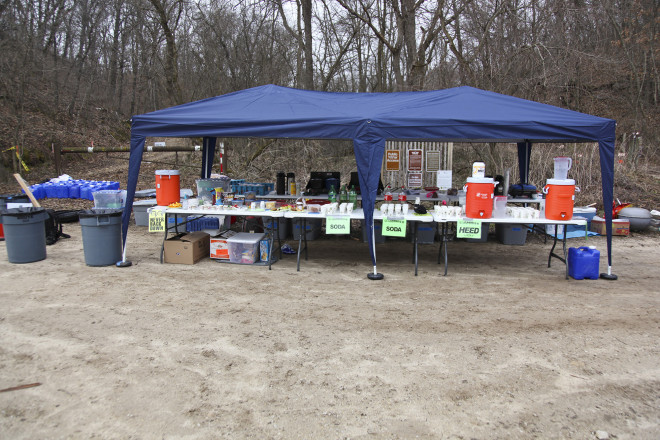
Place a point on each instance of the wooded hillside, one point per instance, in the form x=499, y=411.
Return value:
x=73, y=72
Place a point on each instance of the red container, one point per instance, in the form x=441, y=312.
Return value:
x=2, y=233
x=168, y=187
x=479, y=197
x=559, y=199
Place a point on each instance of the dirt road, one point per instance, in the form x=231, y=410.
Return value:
x=501, y=348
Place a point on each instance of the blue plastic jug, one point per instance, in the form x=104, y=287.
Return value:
x=583, y=262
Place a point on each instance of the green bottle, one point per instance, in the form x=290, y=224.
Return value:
x=343, y=195
x=332, y=195
x=352, y=197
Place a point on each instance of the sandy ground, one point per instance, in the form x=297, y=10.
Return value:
x=502, y=348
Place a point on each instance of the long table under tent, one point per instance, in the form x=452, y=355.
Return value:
x=446, y=234
x=357, y=214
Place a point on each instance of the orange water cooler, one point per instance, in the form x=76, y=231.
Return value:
x=559, y=198
x=479, y=197
x=168, y=187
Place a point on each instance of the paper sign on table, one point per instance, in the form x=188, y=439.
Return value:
x=156, y=221
x=394, y=228
x=468, y=229
x=338, y=225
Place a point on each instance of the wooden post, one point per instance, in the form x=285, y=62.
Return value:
x=57, y=153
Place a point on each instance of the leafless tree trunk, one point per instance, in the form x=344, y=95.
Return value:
x=169, y=13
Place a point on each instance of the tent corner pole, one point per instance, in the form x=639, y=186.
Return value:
x=609, y=275
x=375, y=275
x=124, y=262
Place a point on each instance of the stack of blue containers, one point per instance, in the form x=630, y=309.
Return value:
x=240, y=187
x=199, y=224
x=71, y=189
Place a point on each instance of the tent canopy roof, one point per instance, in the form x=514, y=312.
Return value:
x=458, y=114
x=369, y=119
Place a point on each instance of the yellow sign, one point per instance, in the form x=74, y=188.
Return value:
x=156, y=221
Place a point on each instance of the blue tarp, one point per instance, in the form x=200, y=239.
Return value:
x=461, y=114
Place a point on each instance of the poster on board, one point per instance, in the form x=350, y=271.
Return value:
x=415, y=160
x=414, y=180
x=392, y=160
x=432, y=161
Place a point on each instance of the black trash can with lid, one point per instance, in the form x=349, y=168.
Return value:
x=101, y=234
x=25, y=234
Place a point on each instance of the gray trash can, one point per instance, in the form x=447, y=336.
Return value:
x=25, y=234
x=101, y=234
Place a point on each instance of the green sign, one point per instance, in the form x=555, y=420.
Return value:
x=338, y=225
x=394, y=228
x=156, y=221
x=468, y=229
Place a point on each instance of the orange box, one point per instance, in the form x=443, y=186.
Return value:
x=619, y=226
x=219, y=247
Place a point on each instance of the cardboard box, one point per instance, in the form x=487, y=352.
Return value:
x=219, y=249
x=619, y=226
x=187, y=249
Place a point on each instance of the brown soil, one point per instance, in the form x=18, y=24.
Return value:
x=502, y=348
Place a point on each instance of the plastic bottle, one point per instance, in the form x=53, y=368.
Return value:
x=402, y=195
x=332, y=194
x=343, y=195
x=352, y=197
x=388, y=194
x=292, y=186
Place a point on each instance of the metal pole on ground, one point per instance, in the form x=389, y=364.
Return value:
x=375, y=275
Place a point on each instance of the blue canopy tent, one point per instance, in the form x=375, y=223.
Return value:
x=462, y=114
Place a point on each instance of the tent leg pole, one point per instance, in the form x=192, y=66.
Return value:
x=375, y=275
x=609, y=275
x=124, y=262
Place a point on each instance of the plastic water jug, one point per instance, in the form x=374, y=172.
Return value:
x=562, y=165
x=499, y=207
x=583, y=262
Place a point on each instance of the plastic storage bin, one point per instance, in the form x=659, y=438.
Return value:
x=511, y=233
x=583, y=262
x=425, y=232
x=141, y=211
x=109, y=199
x=206, y=187
x=244, y=247
x=312, y=228
x=485, y=227
x=587, y=212
x=284, y=226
